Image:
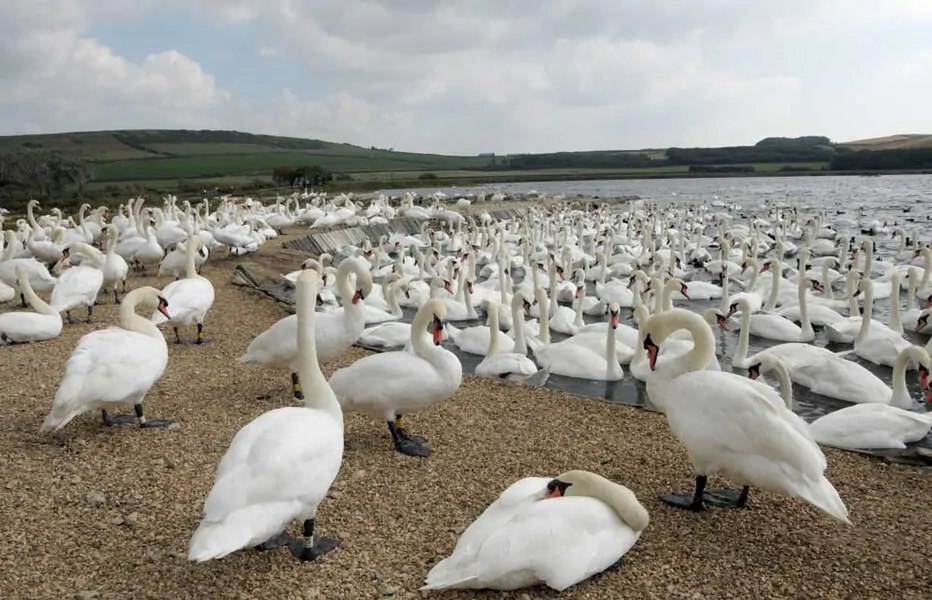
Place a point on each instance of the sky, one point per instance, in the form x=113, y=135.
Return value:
x=472, y=76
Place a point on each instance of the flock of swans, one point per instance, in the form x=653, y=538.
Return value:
x=520, y=274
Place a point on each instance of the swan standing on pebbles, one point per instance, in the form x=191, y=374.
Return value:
x=190, y=298
x=79, y=285
x=336, y=331
x=115, y=267
x=114, y=367
x=25, y=327
x=280, y=466
x=732, y=425
x=392, y=384
x=553, y=531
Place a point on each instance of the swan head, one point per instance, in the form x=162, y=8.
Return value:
x=584, y=483
x=439, y=309
x=921, y=323
x=614, y=315
x=469, y=283
x=817, y=285
x=764, y=363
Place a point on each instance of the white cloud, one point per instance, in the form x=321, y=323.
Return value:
x=488, y=75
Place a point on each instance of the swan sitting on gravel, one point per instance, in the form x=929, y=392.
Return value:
x=280, y=466
x=23, y=327
x=553, y=531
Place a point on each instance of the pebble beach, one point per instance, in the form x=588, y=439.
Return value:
x=94, y=512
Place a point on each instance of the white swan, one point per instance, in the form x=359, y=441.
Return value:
x=776, y=327
x=553, y=531
x=24, y=327
x=478, y=339
x=79, y=285
x=880, y=348
x=190, y=298
x=115, y=267
x=846, y=331
x=390, y=291
x=506, y=364
x=276, y=347
x=732, y=425
x=392, y=384
x=280, y=466
x=579, y=360
x=114, y=367
x=871, y=426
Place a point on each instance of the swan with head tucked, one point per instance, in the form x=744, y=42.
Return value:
x=390, y=385
x=280, y=466
x=190, y=298
x=24, y=327
x=335, y=331
x=556, y=532
x=732, y=426
x=114, y=367
x=864, y=426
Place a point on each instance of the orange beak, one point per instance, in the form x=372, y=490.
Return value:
x=438, y=332
x=652, y=351
x=613, y=320
x=924, y=378
x=163, y=308
x=448, y=287
x=685, y=292
x=554, y=493
x=722, y=322
x=920, y=325
x=579, y=292
x=357, y=297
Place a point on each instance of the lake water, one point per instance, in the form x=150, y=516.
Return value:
x=849, y=202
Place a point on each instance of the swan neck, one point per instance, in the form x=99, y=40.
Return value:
x=130, y=321
x=777, y=275
x=493, y=331
x=805, y=323
x=419, y=339
x=895, y=322
x=190, y=252
x=317, y=392
x=38, y=304
x=865, y=330
x=786, y=386
x=741, y=352
x=517, y=319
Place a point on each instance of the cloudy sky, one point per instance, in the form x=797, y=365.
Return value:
x=471, y=76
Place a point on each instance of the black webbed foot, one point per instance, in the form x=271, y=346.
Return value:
x=682, y=501
x=321, y=547
x=117, y=420
x=726, y=498
x=156, y=423
x=411, y=437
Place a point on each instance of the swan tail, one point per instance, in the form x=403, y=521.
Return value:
x=824, y=496
x=241, y=529
x=446, y=576
x=67, y=404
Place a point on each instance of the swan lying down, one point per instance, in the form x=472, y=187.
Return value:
x=540, y=530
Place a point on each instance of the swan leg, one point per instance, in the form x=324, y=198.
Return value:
x=685, y=502
x=115, y=420
x=405, y=444
x=200, y=335
x=116, y=295
x=405, y=434
x=124, y=286
x=90, y=313
x=312, y=547
x=277, y=541
x=22, y=299
x=150, y=424
x=727, y=498
x=68, y=316
x=296, y=387
x=177, y=335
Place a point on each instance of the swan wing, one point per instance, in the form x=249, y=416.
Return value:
x=188, y=299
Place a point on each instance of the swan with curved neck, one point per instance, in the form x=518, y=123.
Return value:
x=543, y=521
x=191, y=298
x=280, y=466
x=114, y=367
x=880, y=348
x=24, y=327
x=774, y=326
x=336, y=331
x=390, y=385
x=768, y=447
x=506, y=365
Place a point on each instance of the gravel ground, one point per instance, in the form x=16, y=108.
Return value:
x=100, y=513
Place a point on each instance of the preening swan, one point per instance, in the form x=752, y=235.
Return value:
x=114, y=367
x=23, y=327
x=732, y=425
x=553, y=531
x=280, y=466
x=392, y=384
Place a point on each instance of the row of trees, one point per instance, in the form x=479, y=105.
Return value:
x=298, y=177
x=39, y=173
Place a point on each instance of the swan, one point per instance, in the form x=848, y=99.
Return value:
x=390, y=385
x=115, y=267
x=114, y=367
x=556, y=531
x=280, y=466
x=276, y=347
x=377, y=315
x=732, y=425
x=506, y=365
x=25, y=327
x=880, y=348
x=579, y=360
x=478, y=339
x=190, y=298
x=846, y=331
x=775, y=327
x=865, y=426
x=79, y=285
x=40, y=279
x=393, y=334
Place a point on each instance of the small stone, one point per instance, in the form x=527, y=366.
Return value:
x=131, y=519
x=118, y=520
x=359, y=474
x=86, y=595
x=96, y=498
x=389, y=590
x=335, y=494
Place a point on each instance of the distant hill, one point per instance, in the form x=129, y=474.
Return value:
x=892, y=142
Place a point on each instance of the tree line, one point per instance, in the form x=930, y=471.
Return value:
x=38, y=173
